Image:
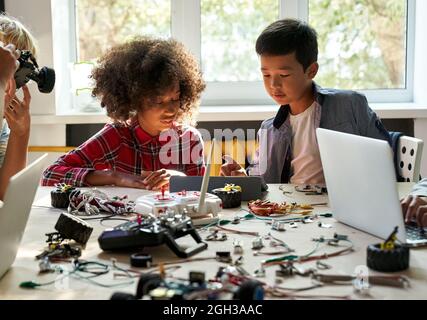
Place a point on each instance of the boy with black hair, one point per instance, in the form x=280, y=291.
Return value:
x=288, y=146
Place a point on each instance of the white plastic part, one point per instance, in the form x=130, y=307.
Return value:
x=185, y=202
x=409, y=154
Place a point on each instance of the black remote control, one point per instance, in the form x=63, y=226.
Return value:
x=150, y=232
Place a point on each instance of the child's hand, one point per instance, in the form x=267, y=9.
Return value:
x=128, y=180
x=415, y=208
x=17, y=112
x=232, y=168
x=157, y=179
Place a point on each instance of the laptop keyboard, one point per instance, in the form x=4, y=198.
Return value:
x=414, y=232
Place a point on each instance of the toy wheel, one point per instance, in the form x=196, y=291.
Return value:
x=71, y=227
x=250, y=290
x=388, y=260
x=122, y=296
x=146, y=283
x=60, y=199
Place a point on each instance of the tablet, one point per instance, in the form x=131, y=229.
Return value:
x=252, y=187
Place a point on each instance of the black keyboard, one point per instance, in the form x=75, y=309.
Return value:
x=414, y=232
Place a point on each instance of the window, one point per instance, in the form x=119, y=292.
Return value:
x=101, y=24
x=229, y=30
x=364, y=45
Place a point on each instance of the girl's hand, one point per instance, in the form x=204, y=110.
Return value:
x=17, y=112
x=128, y=180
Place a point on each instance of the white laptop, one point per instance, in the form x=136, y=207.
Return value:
x=15, y=211
x=361, y=182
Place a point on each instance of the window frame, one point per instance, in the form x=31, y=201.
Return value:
x=404, y=94
x=186, y=27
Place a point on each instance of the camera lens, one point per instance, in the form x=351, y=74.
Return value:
x=46, y=80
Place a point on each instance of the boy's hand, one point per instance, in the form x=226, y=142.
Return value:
x=232, y=168
x=415, y=208
x=8, y=62
x=17, y=112
x=157, y=179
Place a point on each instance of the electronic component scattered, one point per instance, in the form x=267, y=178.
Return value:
x=257, y=243
x=216, y=236
x=223, y=256
x=278, y=225
x=266, y=208
x=260, y=273
x=141, y=260
x=397, y=281
x=324, y=225
x=150, y=231
x=60, y=196
x=72, y=227
x=200, y=206
x=238, y=247
x=230, y=195
x=227, y=284
x=94, y=201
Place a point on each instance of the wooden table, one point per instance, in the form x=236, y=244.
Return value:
x=43, y=219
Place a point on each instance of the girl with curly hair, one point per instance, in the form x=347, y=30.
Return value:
x=150, y=88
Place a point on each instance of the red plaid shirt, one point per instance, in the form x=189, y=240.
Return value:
x=129, y=149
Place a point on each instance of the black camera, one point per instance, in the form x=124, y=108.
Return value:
x=29, y=70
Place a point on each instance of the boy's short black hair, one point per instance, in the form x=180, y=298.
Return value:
x=287, y=36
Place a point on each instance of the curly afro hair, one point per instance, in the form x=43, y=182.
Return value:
x=137, y=71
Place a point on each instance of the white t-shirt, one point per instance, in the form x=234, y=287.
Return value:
x=306, y=166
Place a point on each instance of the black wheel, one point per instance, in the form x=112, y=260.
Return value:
x=60, y=199
x=393, y=260
x=146, y=283
x=122, y=296
x=249, y=290
x=72, y=227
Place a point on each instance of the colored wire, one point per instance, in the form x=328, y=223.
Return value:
x=249, y=233
x=224, y=222
x=308, y=257
x=93, y=268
